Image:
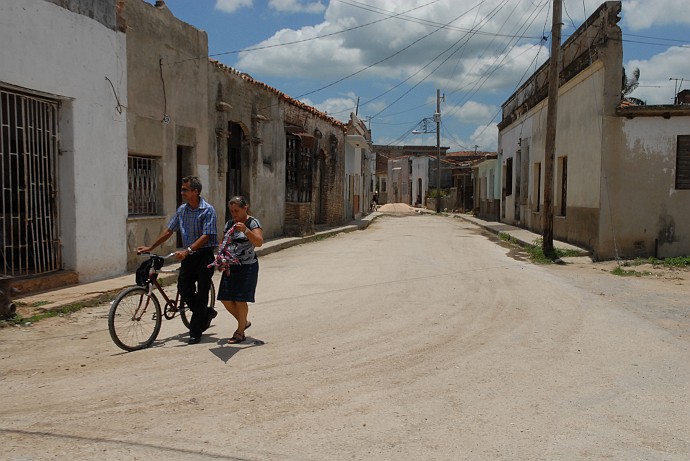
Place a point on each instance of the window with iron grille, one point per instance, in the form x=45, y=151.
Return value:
x=683, y=162
x=298, y=170
x=29, y=215
x=509, y=177
x=142, y=174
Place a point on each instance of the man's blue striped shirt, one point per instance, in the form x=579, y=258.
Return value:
x=193, y=223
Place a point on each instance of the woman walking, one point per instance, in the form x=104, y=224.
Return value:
x=238, y=283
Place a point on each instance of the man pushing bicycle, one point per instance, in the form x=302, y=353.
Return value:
x=196, y=221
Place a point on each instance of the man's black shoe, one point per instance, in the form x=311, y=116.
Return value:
x=211, y=315
x=193, y=340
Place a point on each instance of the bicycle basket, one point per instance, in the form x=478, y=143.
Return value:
x=144, y=269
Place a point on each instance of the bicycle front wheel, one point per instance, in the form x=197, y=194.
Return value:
x=186, y=313
x=134, y=319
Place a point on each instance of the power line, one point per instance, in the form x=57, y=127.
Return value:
x=414, y=42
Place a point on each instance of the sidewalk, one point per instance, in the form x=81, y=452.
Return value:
x=89, y=294
x=523, y=237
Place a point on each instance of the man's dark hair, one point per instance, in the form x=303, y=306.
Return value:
x=193, y=182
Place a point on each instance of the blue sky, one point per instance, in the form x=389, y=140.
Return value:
x=392, y=55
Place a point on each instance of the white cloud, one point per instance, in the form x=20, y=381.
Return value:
x=474, y=51
x=655, y=86
x=295, y=6
x=230, y=6
x=483, y=54
x=337, y=107
x=485, y=138
x=642, y=14
x=470, y=112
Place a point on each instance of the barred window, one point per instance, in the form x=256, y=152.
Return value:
x=298, y=170
x=142, y=174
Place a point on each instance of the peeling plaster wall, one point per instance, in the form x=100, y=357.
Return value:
x=257, y=112
x=650, y=216
x=168, y=93
x=579, y=138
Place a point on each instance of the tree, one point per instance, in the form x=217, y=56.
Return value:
x=630, y=85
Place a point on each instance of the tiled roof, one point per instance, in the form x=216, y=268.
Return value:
x=249, y=79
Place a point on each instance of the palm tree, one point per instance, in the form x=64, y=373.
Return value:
x=629, y=85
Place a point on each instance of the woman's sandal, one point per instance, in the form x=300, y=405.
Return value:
x=237, y=338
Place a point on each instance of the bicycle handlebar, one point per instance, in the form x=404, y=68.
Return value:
x=152, y=255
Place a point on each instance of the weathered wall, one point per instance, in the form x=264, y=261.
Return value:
x=420, y=170
x=256, y=110
x=328, y=164
x=100, y=11
x=588, y=96
x=168, y=92
x=68, y=56
x=647, y=215
x=579, y=112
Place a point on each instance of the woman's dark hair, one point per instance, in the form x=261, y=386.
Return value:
x=239, y=200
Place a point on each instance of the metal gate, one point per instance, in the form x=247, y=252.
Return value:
x=29, y=231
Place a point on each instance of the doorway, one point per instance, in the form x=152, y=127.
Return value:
x=233, y=177
x=185, y=167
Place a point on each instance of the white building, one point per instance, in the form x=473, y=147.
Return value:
x=64, y=138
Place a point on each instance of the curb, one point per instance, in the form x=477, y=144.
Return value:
x=93, y=293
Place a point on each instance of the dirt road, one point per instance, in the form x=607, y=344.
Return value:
x=418, y=338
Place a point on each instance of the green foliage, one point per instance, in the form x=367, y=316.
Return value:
x=629, y=272
x=507, y=238
x=678, y=261
x=433, y=193
x=536, y=253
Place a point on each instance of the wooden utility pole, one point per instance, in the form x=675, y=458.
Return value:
x=551, y=119
x=437, y=119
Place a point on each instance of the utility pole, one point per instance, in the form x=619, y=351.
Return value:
x=676, y=88
x=437, y=119
x=551, y=119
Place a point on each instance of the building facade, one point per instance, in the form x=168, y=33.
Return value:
x=64, y=138
x=618, y=186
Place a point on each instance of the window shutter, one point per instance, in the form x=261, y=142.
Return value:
x=683, y=162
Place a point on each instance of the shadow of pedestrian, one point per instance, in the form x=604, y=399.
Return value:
x=226, y=351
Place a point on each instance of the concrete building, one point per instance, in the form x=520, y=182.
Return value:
x=167, y=120
x=116, y=102
x=240, y=136
x=315, y=169
x=247, y=145
x=410, y=173
x=619, y=172
x=487, y=190
x=359, y=159
x=63, y=144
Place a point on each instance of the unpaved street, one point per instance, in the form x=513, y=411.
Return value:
x=417, y=338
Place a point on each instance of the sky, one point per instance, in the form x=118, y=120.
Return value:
x=385, y=59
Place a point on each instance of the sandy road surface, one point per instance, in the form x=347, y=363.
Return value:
x=418, y=338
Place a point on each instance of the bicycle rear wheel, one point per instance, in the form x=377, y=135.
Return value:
x=134, y=319
x=186, y=314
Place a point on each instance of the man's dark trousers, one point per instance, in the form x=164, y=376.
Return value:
x=193, y=284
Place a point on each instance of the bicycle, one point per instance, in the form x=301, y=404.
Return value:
x=135, y=316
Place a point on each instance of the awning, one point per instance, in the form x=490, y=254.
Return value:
x=306, y=139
